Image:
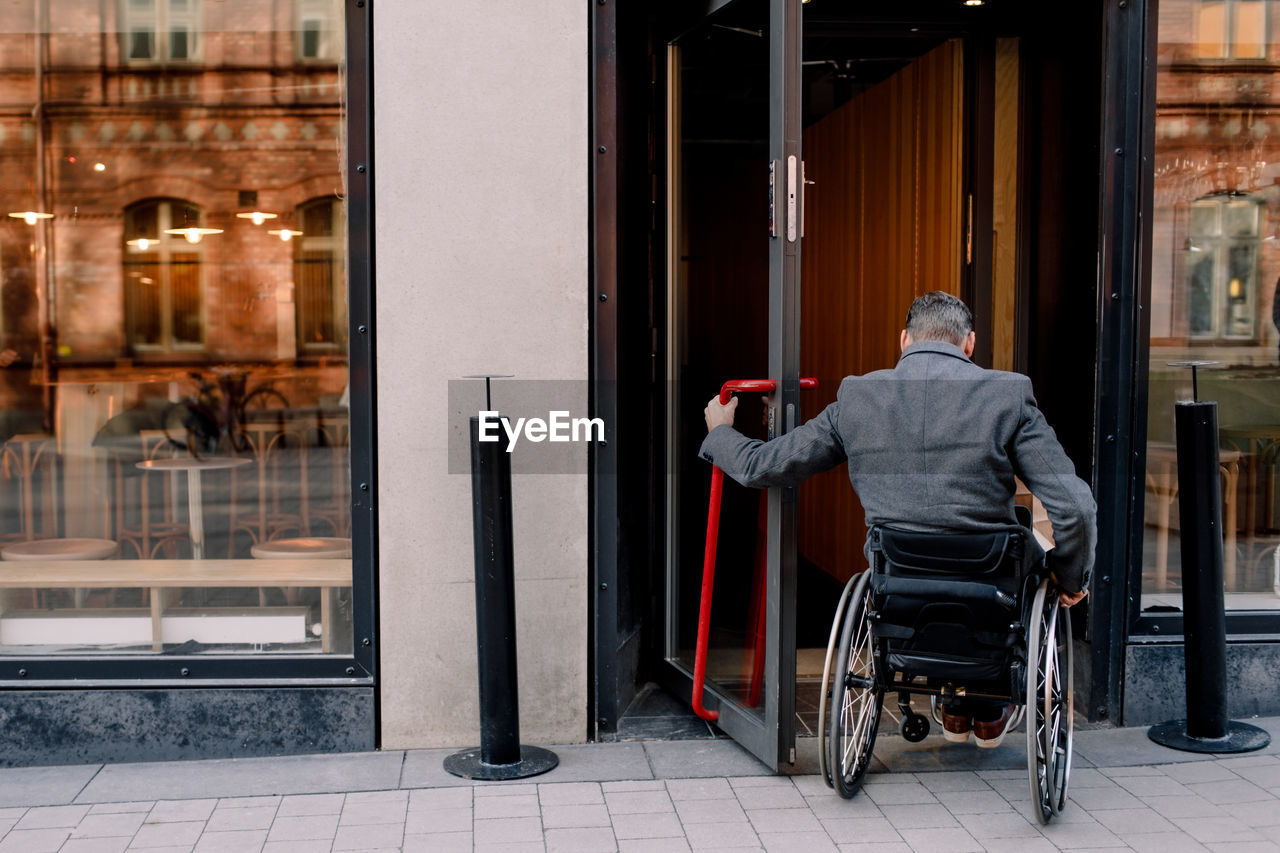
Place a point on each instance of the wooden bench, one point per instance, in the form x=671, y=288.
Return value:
x=159, y=575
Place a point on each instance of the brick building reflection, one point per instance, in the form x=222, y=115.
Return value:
x=1217, y=178
x=133, y=122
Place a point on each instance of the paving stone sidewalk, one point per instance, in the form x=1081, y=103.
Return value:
x=1126, y=793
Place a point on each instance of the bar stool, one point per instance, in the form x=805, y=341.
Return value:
x=333, y=449
x=46, y=550
x=148, y=534
x=269, y=442
x=316, y=547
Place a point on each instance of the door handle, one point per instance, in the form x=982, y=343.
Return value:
x=792, y=192
x=762, y=386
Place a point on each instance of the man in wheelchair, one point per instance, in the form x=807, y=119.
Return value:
x=933, y=446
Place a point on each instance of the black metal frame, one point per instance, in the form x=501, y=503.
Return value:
x=602, y=471
x=360, y=667
x=1251, y=625
x=1123, y=289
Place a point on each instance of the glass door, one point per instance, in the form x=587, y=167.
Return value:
x=733, y=246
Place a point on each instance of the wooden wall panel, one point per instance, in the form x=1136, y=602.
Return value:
x=1004, y=278
x=882, y=226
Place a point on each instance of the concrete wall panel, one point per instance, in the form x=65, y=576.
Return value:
x=481, y=240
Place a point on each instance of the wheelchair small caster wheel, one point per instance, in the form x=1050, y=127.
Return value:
x=914, y=727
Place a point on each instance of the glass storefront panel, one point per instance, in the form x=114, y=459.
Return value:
x=1215, y=265
x=174, y=473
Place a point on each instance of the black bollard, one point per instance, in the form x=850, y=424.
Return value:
x=500, y=754
x=1206, y=727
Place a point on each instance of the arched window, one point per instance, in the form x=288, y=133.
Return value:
x=319, y=277
x=163, y=296
x=1223, y=244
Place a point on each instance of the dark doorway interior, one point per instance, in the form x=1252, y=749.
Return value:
x=1046, y=325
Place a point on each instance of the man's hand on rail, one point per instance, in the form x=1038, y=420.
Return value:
x=1066, y=599
x=718, y=415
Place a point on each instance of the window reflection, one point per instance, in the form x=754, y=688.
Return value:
x=319, y=30
x=160, y=30
x=1215, y=267
x=318, y=276
x=1228, y=29
x=1223, y=261
x=164, y=304
x=173, y=372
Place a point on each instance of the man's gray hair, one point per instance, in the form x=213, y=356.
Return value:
x=939, y=316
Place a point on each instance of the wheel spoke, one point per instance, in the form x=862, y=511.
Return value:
x=859, y=682
x=855, y=697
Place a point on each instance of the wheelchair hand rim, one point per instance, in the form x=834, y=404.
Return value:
x=836, y=624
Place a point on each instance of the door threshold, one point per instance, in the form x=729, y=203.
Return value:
x=657, y=715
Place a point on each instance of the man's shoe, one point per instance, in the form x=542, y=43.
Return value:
x=955, y=728
x=989, y=733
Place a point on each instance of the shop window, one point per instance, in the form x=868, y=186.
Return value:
x=1223, y=251
x=319, y=33
x=1214, y=267
x=164, y=304
x=318, y=276
x=160, y=30
x=181, y=434
x=1231, y=29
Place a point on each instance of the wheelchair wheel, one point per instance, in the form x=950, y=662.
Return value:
x=827, y=665
x=1050, y=706
x=856, y=699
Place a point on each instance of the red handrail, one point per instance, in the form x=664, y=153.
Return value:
x=764, y=386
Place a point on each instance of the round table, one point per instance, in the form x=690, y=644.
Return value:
x=195, y=501
x=320, y=547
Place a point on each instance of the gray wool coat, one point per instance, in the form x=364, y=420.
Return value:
x=933, y=445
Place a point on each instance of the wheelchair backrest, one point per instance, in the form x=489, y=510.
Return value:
x=946, y=604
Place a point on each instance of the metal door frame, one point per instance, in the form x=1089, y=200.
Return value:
x=771, y=739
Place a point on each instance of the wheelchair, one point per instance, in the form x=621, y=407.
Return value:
x=949, y=616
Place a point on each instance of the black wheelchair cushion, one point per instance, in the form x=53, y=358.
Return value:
x=950, y=554
x=981, y=594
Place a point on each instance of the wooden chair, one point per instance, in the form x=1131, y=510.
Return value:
x=26, y=458
x=30, y=463
x=1162, y=483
